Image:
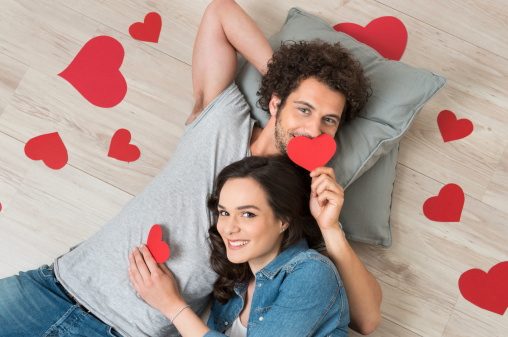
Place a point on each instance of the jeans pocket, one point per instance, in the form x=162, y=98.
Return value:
x=46, y=271
x=113, y=332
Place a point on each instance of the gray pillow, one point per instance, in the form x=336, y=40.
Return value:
x=367, y=147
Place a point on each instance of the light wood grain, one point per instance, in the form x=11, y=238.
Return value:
x=10, y=76
x=497, y=191
x=468, y=317
x=482, y=23
x=13, y=168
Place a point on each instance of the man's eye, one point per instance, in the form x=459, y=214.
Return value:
x=304, y=110
x=248, y=214
x=330, y=120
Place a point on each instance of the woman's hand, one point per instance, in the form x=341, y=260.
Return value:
x=154, y=282
x=326, y=199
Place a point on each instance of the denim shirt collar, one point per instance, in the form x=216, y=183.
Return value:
x=273, y=268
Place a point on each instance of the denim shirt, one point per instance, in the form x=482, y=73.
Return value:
x=299, y=293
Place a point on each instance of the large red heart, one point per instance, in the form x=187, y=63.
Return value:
x=121, y=149
x=148, y=31
x=95, y=72
x=447, y=206
x=387, y=35
x=158, y=248
x=488, y=291
x=49, y=148
x=451, y=128
x=311, y=153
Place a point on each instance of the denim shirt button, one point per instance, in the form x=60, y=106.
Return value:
x=226, y=323
x=261, y=318
x=259, y=284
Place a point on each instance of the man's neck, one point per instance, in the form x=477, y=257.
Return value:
x=262, y=142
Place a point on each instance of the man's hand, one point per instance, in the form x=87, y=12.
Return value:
x=154, y=282
x=326, y=199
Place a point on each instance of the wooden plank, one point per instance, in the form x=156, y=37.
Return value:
x=482, y=23
x=10, y=76
x=497, y=191
x=469, y=320
x=66, y=205
x=42, y=34
x=13, y=167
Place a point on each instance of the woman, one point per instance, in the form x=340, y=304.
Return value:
x=270, y=283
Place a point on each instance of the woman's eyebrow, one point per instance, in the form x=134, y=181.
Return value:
x=241, y=207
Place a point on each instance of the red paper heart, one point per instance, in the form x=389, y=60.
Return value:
x=447, y=206
x=387, y=35
x=148, y=31
x=95, y=73
x=311, y=153
x=0, y=206
x=488, y=291
x=158, y=248
x=121, y=149
x=49, y=148
x=451, y=128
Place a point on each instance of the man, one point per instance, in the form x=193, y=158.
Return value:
x=89, y=292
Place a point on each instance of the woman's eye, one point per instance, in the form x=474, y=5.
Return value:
x=223, y=213
x=248, y=214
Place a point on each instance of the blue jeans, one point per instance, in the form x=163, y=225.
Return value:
x=34, y=303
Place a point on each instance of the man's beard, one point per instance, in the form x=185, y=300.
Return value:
x=281, y=138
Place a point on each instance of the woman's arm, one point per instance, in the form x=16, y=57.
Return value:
x=362, y=289
x=157, y=286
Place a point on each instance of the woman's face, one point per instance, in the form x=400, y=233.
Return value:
x=250, y=230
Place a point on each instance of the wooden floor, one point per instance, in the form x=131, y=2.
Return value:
x=47, y=211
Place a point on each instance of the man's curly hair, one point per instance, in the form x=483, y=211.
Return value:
x=330, y=64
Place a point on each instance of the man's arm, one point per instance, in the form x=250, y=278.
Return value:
x=362, y=289
x=363, y=292
x=224, y=29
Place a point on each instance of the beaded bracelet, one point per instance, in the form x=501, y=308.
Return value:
x=179, y=313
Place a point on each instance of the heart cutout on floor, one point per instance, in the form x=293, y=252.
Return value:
x=488, y=291
x=387, y=35
x=451, y=128
x=149, y=30
x=158, y=248
x=95, y=72
x=311, y=153
x=121, y=149
x=49, y=148
x=447, y=206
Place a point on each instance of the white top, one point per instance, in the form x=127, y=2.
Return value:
x=237, y=329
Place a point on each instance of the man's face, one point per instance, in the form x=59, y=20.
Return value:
x=311, y=110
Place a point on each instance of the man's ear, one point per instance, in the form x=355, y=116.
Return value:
x=274, y=104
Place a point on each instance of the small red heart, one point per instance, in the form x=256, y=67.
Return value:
x=488, y=291
x=95, y=72
x=158, y=248
x=121, y=149
x=49, y=148
x=451, y=128
x=447, y=206
x=311, y=153
x=387, y=35
x=149, y=30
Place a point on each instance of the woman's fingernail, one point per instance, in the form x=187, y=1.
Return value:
x=142, y=245
x=130, y=256
x=134, y=249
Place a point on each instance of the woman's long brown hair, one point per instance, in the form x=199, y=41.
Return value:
x=287, y=188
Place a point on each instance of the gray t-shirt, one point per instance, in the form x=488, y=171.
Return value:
x=95, y=272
